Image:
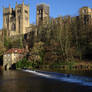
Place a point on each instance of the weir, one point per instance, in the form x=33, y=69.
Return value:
x=82, y=80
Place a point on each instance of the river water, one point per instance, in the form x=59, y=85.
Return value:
x=41, y=81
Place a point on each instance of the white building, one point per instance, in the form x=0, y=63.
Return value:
x=12, y=56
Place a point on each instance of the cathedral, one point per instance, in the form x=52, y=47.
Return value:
x=16, y=21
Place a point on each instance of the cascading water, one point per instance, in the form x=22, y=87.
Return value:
x=86, y=81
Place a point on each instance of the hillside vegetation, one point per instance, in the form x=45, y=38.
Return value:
x=62, y=41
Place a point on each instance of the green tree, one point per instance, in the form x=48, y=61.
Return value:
x=24, y=63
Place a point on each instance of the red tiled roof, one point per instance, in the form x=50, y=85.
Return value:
x=15, y=50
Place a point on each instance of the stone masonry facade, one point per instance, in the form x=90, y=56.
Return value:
x=86, y=15
x=42, y=14
x=16, y=21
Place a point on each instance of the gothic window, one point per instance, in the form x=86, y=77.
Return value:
x=26, y=11
x=86, y=19
x=84, y=11
x=40, y=11
x=19, y=10
x=6, y=20
x=41, y=14
x=19, y=23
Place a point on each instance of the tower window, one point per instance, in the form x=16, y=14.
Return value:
x=40, y=11
x=26, y=11
x=19, y=23
x=84, y=11
x=19, y=10
x=6, y=20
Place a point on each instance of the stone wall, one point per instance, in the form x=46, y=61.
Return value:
x=10, y=59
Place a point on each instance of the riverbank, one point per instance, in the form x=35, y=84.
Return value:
x=67, y=66
x=77, y=66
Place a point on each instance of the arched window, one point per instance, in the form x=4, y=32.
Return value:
x=19, y=10
x=26, y=11
x=84, y=11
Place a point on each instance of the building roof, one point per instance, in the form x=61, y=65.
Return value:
x=15, y=50
x=43, y=4
x=85, y=7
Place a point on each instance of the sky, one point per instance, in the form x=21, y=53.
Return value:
x=57, y=7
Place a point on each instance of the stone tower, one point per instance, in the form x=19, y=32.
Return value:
x=16, y=20
x=86, y=15
x=22, y=18
x=8, y=14
x=42, y=12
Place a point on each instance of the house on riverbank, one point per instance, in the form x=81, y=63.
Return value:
x=11, y=57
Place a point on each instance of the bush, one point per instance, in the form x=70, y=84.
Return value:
x=24, y=63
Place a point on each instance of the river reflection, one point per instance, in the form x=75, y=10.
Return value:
x=20, y=81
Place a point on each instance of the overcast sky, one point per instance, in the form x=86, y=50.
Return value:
x=57, y=7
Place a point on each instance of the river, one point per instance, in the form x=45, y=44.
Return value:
x=41, y=81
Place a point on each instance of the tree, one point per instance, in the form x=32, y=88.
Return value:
x=2, y=49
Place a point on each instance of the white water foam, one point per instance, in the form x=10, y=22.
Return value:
x=39, y=74
x=71, y=79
